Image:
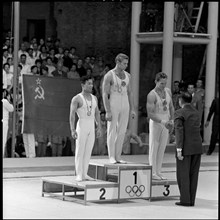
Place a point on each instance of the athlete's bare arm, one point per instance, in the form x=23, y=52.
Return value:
x=130, y=95
x=73, y=108
x=97, y=118
x=107, y=81
x=151, y=100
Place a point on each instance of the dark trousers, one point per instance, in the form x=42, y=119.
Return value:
x=214, y=138
x=187, y=177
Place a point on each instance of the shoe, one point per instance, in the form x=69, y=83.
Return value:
x=121, y=161
x=208, y=153
x=161, y=176
x=155, y=177
x=112, y=160
x=79, y=178
x=89, y=178
x=183, y=204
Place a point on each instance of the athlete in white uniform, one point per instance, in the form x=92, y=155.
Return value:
x=86, y=107
x=118, y=103
x=160, y=111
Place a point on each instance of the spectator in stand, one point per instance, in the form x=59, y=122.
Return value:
x=50, y=66
x=44, y=70
x=10, y=62
x=59, y=72
x=34, y=70
x=7, y=107
x=52, y=56
x=80, y=69
x=89, y=71
x=197, y=101
x=4, y=79
x=44, y=54
x=9, y=76
x=73, y=74
x=49, y=43
x=86, y=64
x=57, y=45
x=38, y=63
x=67, y=61
x=30, y=60
x=59, y=54
x=176, y=94
x=41, y=43
x=5, y=56
x=26, y=69
x=10, y=52
x=56, y=143
x=200, y=93
x=75, y=60
x=98, y=68
x=72, y=53
x=41, y=144
x=92, y=62
x=22, y=50
x=26, y=42
x=6, y=44
x=33, y=41
x=36, y=51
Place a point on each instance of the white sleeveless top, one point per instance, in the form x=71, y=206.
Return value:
x=119, y=83
x=160, y=111
x=87, y=105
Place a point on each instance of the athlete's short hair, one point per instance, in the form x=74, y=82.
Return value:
x=161, y=75
x=85, y=78
x=120, y=57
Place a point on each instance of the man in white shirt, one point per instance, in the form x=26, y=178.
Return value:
x=7, y=107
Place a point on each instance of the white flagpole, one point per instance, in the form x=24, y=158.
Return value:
x=16, y=47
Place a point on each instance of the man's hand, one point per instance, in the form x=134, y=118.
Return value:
x=179, y=155
x=170, y=126
x=74, y=134
x=108, y=116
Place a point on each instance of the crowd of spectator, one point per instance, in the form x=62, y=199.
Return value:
x=47, y=57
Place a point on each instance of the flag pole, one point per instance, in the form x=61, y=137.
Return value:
x=16, y=45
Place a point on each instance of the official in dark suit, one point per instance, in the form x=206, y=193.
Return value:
x=214, y=110
x=189, y=149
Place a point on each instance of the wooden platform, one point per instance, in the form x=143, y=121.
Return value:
x=84, y=191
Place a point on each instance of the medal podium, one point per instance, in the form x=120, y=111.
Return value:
x=112, y=182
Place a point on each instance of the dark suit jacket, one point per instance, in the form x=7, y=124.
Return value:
x=187, y=130
x=214, y=109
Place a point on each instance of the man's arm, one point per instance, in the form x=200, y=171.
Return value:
x=97, y=116
x=73, y=108
x=179, y=133
x=130, y=95
x=106, y=91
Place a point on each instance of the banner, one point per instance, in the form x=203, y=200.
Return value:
x=46, y=104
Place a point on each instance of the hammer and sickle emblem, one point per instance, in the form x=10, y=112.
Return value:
x=40, y=92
